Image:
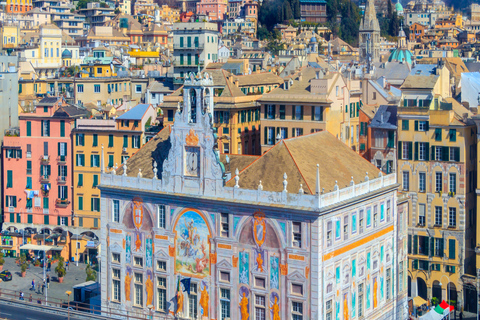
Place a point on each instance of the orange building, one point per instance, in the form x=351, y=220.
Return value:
x=16, y=6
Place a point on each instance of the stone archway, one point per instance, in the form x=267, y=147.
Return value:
x=422, y=288
x=409, y=286
x=452, y=293
x=437, y=291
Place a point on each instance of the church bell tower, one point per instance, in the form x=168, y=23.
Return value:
x=369, y=35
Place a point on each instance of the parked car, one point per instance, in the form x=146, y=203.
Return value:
x=6, y=275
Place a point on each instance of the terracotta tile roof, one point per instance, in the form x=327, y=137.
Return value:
x=298, y=158
x=239, y=161
x=420, y=82
x=264, y=78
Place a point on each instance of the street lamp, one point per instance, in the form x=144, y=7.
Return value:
x=448, y=291
x=68, y=293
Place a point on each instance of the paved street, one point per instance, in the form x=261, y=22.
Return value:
x=75, y=275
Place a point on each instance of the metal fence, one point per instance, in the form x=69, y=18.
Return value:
x=74, y=308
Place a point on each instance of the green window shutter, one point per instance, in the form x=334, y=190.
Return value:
x=265, y=138
x=416, y=150
x=95, y=140
x=133, y=141
x=58, y=220
x=76, y=139
x=415, y=264
x=46, y=219
x=427, y=125
x=29, y=129
x=110, y=160
x=29, y=166
x=391, y=139
x=399, y=149
x=80, y=179
x=346, y=108
x=66, y=222
x=9, y=179
x=457, y=153
x=58, y=147
x=29, y=183
x=91, y=160
x=48, y=128
x=45, y=203
x=80, y=203
x=452, y=268
x=432, y=246
x=416, y=125
x=19, y=218
x=95, y=223
x=313, y=113
x=441, y=247
x=409, y=244
x=49, y=170
x=426, y=151
x=110, y=140
x=445, y=154
x=438, y=134
x=14, y=201
x=410, y=144
x=12, y=217
x=29, y=218
x=125, y=141
x=415, y=244
x=451, y=249
x=95, y=180
x=91, y=204
x=358, y=109
x=62, y=128
x=453, y=135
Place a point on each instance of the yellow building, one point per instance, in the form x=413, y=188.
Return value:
x=120, y=139
x=97, y=70
x=436, y=145
x=10, y=36
x=168, y=14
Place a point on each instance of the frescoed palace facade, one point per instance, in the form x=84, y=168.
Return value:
x=305, y=242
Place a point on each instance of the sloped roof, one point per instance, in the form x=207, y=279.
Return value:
x=136, y=113
x=298, y=158
x=385, y=118
x=156, y=149
x=237, y=161
x=264, y=78
x=420, y=82
x=69, y=112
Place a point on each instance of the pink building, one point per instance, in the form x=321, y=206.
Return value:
x=214, y=9
x=37, y=168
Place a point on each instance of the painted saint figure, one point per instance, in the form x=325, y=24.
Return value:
x=128, y=280
x=179, y=302
x=345, y=308
x=260, y=262
x=374, y=292
x=138, y=243
x=204, y=301
x=244, y=307
x=276, y=310
x=149, y=288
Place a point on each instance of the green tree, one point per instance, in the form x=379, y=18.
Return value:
x=263, y=33
x=91, y=274
x=60, y=268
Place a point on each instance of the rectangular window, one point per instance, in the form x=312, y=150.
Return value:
x=422, y=151
x=125, y=141
x=138, y=261
x=96, y=88
x=422, y=178
x=438, y=216
x=95, y=204
x=80, y=139
x=406, y=180
x=438, y=182
x=29, y=167
x=162, y=294
x=192, y=302
x=452, y=217
x=80, y=203
x=45, y=128
x=452, y=183
x=80, y=88
x=260, y=312
x=9, y=179
x=438, y=134
x=297, y=310
x=138, y=87
x=405, y=125
x=224, y=304
x=421, y=214
x=116, y=283
x=161, y=216
x=161, y=265
x=317, y=114
x=29, y=128
x=116, y=211
x=138, y=290
x=354, y=223
x=270, y=111
x=422, y=126
x=95, y=161
x=452, y=134
x=297, y=234
x=110, y=140
x=62, y=128
x=80, y=160
x=451, y=249
x=62, y=192
x=405, y=150
x=135, y=142
x=95, y=140
x=298, y=115
x=224, y=225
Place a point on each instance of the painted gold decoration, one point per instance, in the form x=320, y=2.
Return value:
x=138, y=243
x=284, y=269
x=259, y=228
x=204, y=301
x=128, y=280
x=124, y=242
x=275, y=310
x=235, y=261
x=137, y=213
x=307, y=272
x=213, y=258
x=149, y=287
x=192, y=138
x=171, y=251
x=244, y=307
x=260, y=262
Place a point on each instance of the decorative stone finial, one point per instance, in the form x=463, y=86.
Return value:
x=114, y=169
x=260, y=187
x=139, y=175
x=366, y=176
x=178, y=107
x=155, y=170
x=236, y=179
x=317, y=186
x=336, y=186
x=300, y=191
x=380, y=174
x=285, y=182
x=125, y=167
x=352, y=182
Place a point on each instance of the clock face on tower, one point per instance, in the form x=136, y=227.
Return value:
x=192, y=161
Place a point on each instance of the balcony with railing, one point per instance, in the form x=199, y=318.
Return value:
x=62, y=203
x=62, y=179
x=62, y=159
x=45, y=159
x=44, y=178
x=194, y=46
x=188, y=63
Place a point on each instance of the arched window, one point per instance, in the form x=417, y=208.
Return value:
x=193, y=106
